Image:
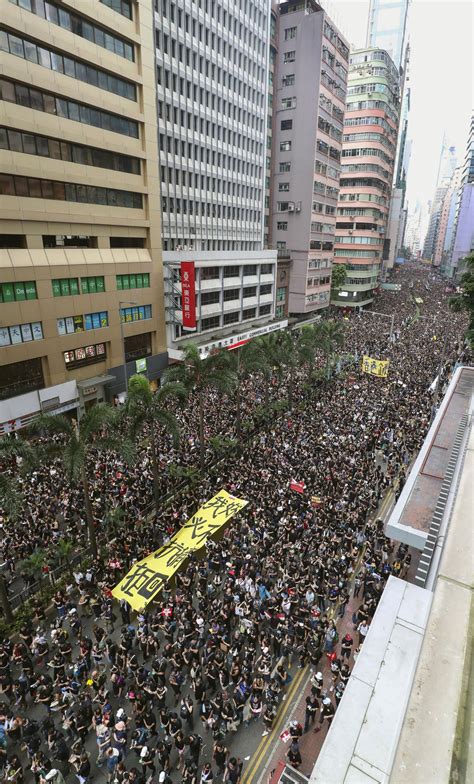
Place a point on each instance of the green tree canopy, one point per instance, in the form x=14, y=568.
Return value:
x=147, y=409
x=338, y=277
x=465, y=300
x=198, y=374
x=98, y=429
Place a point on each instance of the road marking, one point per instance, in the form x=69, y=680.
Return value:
x=386, y=503
x=279, y=719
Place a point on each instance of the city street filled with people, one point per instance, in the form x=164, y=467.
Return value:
x=186, y=689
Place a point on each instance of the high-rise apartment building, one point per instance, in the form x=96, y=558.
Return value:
x=212, y=69
x=309, y=96
x=368, y=159
x=446, y=166
x=463, y=229
x=80, y=242
x=412, y=232
x=468, y=167
x=446, y=218
x=431, y=236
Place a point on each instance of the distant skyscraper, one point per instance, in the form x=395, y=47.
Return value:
x=463, y=231
x=387, y=28
x=447, y=163
x=448, y=213
x=468, y=167
x=446, y=167
x=434, y=223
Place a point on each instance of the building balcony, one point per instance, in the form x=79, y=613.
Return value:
x=353, y=298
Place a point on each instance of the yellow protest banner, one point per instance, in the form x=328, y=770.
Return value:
x=375, y=367
x=146, y=578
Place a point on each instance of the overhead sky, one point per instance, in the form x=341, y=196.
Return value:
x=441, y=78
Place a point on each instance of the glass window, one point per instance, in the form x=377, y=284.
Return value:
x=57, y=62
x=4, y=337
x=44, y=57
x=69, y=68
x=15, y=141
x=19, y=289
x=8, y=292
x=51, y=13
x=30, y=290
x=47, y=190
x=41, y=145
x=78, y=324
x=15, y=334
x=31, y=52
x=16, y=45
x=4, y=41
x=29, y=145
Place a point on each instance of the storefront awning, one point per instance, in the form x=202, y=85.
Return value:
x=95, y=381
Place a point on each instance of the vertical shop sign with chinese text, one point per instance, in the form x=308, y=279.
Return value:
x=188, y=294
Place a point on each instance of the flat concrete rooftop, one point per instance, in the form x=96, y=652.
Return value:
x=412, y=516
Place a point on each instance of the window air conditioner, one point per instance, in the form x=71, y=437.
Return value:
x=291, y=208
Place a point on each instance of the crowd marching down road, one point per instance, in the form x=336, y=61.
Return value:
x=185, y=689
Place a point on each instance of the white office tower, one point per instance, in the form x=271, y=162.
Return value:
x=212, y=82
x=212, y=62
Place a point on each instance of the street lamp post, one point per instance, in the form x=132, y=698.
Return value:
x=124, y=302
x=384, y=315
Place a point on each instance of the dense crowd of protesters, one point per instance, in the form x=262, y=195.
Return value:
x=167, y=693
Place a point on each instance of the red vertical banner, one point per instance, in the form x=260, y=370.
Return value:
x=188, y=295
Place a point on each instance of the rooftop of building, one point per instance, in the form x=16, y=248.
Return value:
x=412, y=516
x=406, y=714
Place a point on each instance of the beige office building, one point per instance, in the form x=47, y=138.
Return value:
x=80, y=236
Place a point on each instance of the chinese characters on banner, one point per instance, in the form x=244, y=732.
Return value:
x=147, y=577
x=188, y=295
x=375, y=367
x=298, y=487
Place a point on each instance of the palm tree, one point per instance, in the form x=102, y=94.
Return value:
x=5, y=599
x=33, y=565
x=147, y=409
x=247, y=359
x=64, y=548
x=198, y=375
x=274, y=356
x=114, y=518
x=96, y=430
x=11, y=496
x=298, y=348
x=329, y=335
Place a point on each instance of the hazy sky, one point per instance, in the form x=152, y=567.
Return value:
x=441, y=78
